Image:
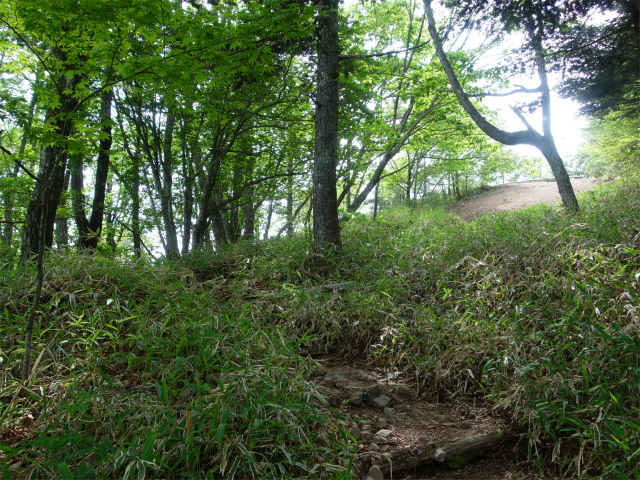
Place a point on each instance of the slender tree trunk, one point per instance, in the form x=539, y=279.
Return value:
x=89, y=229
x=268, y=225
x=290, y=198
x=135, y=205
x=62, y=224
x=188, y=176
x=7, y=236
x=375, y=203
x=326, y=224
x=249, y=210
x=35, y=305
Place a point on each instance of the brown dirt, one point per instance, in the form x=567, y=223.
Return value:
x=424, y=419
x=513, y=196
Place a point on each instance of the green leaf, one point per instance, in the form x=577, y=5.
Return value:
x=65, y=471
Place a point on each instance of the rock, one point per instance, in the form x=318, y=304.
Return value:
x=359, y=375
x=357, y=398
x=415, y=452
x=464, y=425
x=375, y=473
x=28, y=421
x=372, y=392
x=390, y=412
x=395, y=455
x=381, y=402
x=382, y=423
x=403, y=391
x=188, y=394
x=382, y=435
x=333, y=378
x=374, y=447
x=401, y=415
x=355, y=433
x=367, y=436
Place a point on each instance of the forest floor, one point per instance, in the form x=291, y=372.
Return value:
x=513, y=196
x=429, y=347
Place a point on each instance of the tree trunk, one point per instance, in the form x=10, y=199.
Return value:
x=375, y=203
x=7, y=235
x=268, y=225
x=62, y=224
x=326, y=224
x=89, y=230
x=544, y=143
x=53, y=162
x=249, y=215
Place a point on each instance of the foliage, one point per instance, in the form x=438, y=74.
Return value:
x=613, y=146
x=534, y=311
x=146, y=375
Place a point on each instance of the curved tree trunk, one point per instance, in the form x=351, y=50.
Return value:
x=544, y=143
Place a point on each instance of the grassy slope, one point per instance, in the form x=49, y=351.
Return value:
x=535, y=310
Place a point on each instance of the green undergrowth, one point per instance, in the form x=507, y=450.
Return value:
x=535, y=312
x=140, y=374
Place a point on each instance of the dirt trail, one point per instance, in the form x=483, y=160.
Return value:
x=513, y=196
x=400, y=439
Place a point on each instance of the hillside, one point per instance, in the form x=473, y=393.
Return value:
x=510, y=343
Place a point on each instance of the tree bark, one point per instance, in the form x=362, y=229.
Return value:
x=326, y=224
x=53, y=162
x=89, y=229
x=7, y=235
x=544, y=142
x=268, y=225
x=62, y=224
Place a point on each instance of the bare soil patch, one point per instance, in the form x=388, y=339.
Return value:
x=513, y=196
x=402, y=443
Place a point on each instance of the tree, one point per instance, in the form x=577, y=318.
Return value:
x=533, y=17
x=326, y=224
x=600, y=63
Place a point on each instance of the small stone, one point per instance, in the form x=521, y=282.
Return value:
x=415, y=452
x=464, y=425
x=367, y=436
x=372, y=392
x=390, y=412
x=395, y=455
x=401, y=415
x=403, y=391
x=28, y=421
x=188, y=394
x=374, y=447
x=333, y=378
x=381, y=402
x=375, y=473
x=357, y=398
x=359, y=375
x=382, y=423
x=355, y=433
x=383, y=434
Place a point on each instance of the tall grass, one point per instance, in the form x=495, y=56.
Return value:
x=535, y=311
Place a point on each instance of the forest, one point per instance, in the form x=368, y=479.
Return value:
x=228, y=244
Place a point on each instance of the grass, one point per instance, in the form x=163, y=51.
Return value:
x=193, y=368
